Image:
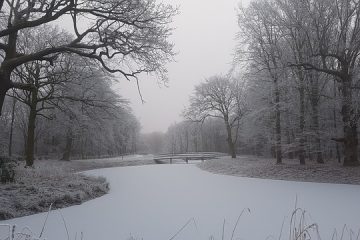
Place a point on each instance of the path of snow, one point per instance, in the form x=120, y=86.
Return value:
x=154, y=202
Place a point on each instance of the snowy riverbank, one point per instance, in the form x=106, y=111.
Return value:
x=47, y=183
x=291, y=170
x=57, y=182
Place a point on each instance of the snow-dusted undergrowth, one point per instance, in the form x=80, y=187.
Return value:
x=297, y=228
x=47, y=183
x=291, y=170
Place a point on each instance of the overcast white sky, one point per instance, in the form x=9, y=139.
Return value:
x=204, y=39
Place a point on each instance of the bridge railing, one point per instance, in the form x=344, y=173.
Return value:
x=161, y=158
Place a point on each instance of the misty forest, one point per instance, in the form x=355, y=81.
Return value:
x=287, y=107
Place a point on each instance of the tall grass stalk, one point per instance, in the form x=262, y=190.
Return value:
x=191, y=220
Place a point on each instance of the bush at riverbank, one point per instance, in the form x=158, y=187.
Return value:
x=35, y=189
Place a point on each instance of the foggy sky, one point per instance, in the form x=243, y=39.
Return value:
x=204, y=38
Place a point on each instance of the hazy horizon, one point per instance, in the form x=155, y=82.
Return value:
x=204, y=38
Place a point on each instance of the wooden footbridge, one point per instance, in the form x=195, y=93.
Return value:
x=169, y=158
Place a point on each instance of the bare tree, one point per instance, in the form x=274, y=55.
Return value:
x=220, y=97
x=312, y=48
x=334, y=38
x=126, y=37
x=265, y=48
x=60, y=86
x=86, y=103
x=43, y=83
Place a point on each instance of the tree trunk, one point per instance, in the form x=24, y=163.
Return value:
x=12, y=126
x=232, y=149
x=68, y=147
x=181, y=145
x=350, y=125
x=134, y=147
x=278, y=151
x=187, y=140
x=5, y=85
x=82, y=144
x=314, y=81
x=302, y=118
x=2, y=97
x=315, y=123
x=1, y=4
x=195, y=141
x=30, y=143
x=338, y=156
x=5, y=69
x=289, y=138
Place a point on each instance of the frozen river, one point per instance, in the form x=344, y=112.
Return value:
x=153, y=203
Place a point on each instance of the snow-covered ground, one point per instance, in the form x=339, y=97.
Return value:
x=153, y=202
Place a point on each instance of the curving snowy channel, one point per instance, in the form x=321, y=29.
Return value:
x=154, y=202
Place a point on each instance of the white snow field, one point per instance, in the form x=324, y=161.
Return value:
x=154, y=202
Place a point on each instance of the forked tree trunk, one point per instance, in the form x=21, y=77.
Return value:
x=5, y=69
x=5, y=85
x=30, y=143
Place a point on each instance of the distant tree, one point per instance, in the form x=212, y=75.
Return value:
x=154, y=142
x=125, y=37
x=88, y=108
x=220, y=97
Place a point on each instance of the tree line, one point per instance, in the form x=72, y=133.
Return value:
x=299, y=78
x=55, y=84
x=303, y=59
x=70, y=111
